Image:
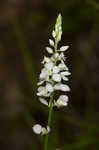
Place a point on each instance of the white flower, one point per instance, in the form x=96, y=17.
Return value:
x=64, y=78
x=56, y=77
x=40, y=83
x=56, y=55
x=51, y=42
x=64, y=48
x=43, y=74
x=49, y=72
x=45, y=131
x=55, y=69
x=59, y=36
x=38, y=129
x=53, y=34
x=62, y=67
x=49, y=50
x=62, y=57
x=64, y=98
x=62, y=87
x=48, y=129
x=62, y=101
x=43, y=101
x=42, y=91
x=66, y=73
x=46, y=60
x=45, y=91
x=49, y=65
x=49, y=87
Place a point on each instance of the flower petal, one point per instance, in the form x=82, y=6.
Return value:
x=37, y=128
x=51, y=42
x=62, y=87
x=55, y=69
x=49, y=87
x=43, y=73
x=64, y=98
x=62, y=66
x=42, y=91
x=56, y=55
x=46, y=60
x=64, y=78
x=40, y=83
x=49, y=66
x=62, y=101
x=56, y=77
x=48, y=129
x=43, y=101
x=64, y=48
x=53, y=34
x=49, y=50
x=66, y=73
x=40, y=88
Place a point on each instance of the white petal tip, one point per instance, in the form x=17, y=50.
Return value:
x=64, y=48
x=49, y=50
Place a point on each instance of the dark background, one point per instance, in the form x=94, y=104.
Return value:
x=25, y=27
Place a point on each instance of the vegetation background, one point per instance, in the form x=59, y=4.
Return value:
x=25, y=27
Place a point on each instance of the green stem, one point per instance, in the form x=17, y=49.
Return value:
x=55, y=45
x=49, y=120
x=51, y=106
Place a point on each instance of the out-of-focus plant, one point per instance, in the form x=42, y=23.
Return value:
x=53, y=78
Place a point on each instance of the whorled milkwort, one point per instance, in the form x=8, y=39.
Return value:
x=54, y=75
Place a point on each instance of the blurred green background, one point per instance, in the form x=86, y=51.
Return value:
x=25, y=27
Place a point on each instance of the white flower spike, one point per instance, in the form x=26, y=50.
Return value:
x=55, y=72
x=53, y=78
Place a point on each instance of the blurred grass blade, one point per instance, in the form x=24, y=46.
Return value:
x=25, y=54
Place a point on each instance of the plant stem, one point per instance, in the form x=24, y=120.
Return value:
x=49, y=120
x=51, y=105
x=55, y=45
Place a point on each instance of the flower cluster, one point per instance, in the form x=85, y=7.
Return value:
x=54, y=75
x=55, y=72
